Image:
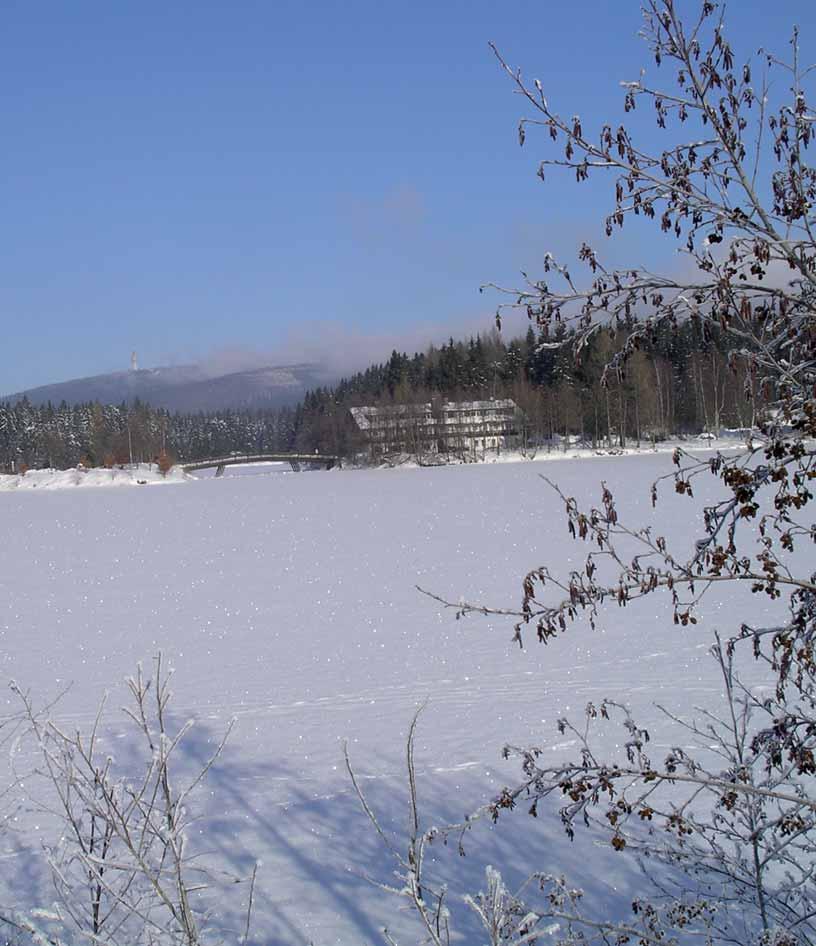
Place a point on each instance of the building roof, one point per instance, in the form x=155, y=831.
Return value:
x=367, y=416
x=505, y=403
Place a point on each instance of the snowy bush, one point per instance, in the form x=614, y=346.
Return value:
x=122, y=865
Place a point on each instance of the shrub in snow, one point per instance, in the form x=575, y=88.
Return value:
x=122, y=867
x=165, y=463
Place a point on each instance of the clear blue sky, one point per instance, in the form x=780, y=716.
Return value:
x=286, y=177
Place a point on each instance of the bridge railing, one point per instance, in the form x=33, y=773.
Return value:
x=295, y=459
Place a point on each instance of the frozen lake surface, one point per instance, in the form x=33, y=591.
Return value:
x=289, y=603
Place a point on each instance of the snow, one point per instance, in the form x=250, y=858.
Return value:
x=137, y=475
x=145, y=474
x=289, y=602
x=574, y=449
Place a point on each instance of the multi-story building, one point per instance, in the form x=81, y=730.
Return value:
x=443, y=427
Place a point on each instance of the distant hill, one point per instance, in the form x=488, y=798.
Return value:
x=186, y=388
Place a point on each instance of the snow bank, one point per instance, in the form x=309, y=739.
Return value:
x=142, y=475
x=570, y=451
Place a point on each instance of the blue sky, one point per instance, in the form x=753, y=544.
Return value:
x=301, y=180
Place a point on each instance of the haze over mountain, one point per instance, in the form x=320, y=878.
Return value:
x=187, y=387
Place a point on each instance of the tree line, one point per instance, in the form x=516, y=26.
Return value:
x=113, y=435
x=681, y=380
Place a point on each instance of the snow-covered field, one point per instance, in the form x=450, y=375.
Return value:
x=289, y=603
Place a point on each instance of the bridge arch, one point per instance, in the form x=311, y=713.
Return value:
x=298, y=461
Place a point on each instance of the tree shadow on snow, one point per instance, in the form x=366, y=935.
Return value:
x=319, y=852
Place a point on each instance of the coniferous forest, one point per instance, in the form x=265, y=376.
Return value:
x=680, y=382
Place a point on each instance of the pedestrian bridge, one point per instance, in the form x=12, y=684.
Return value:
x=298, y=461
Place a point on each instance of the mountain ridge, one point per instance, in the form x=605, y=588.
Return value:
x=188, y=388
